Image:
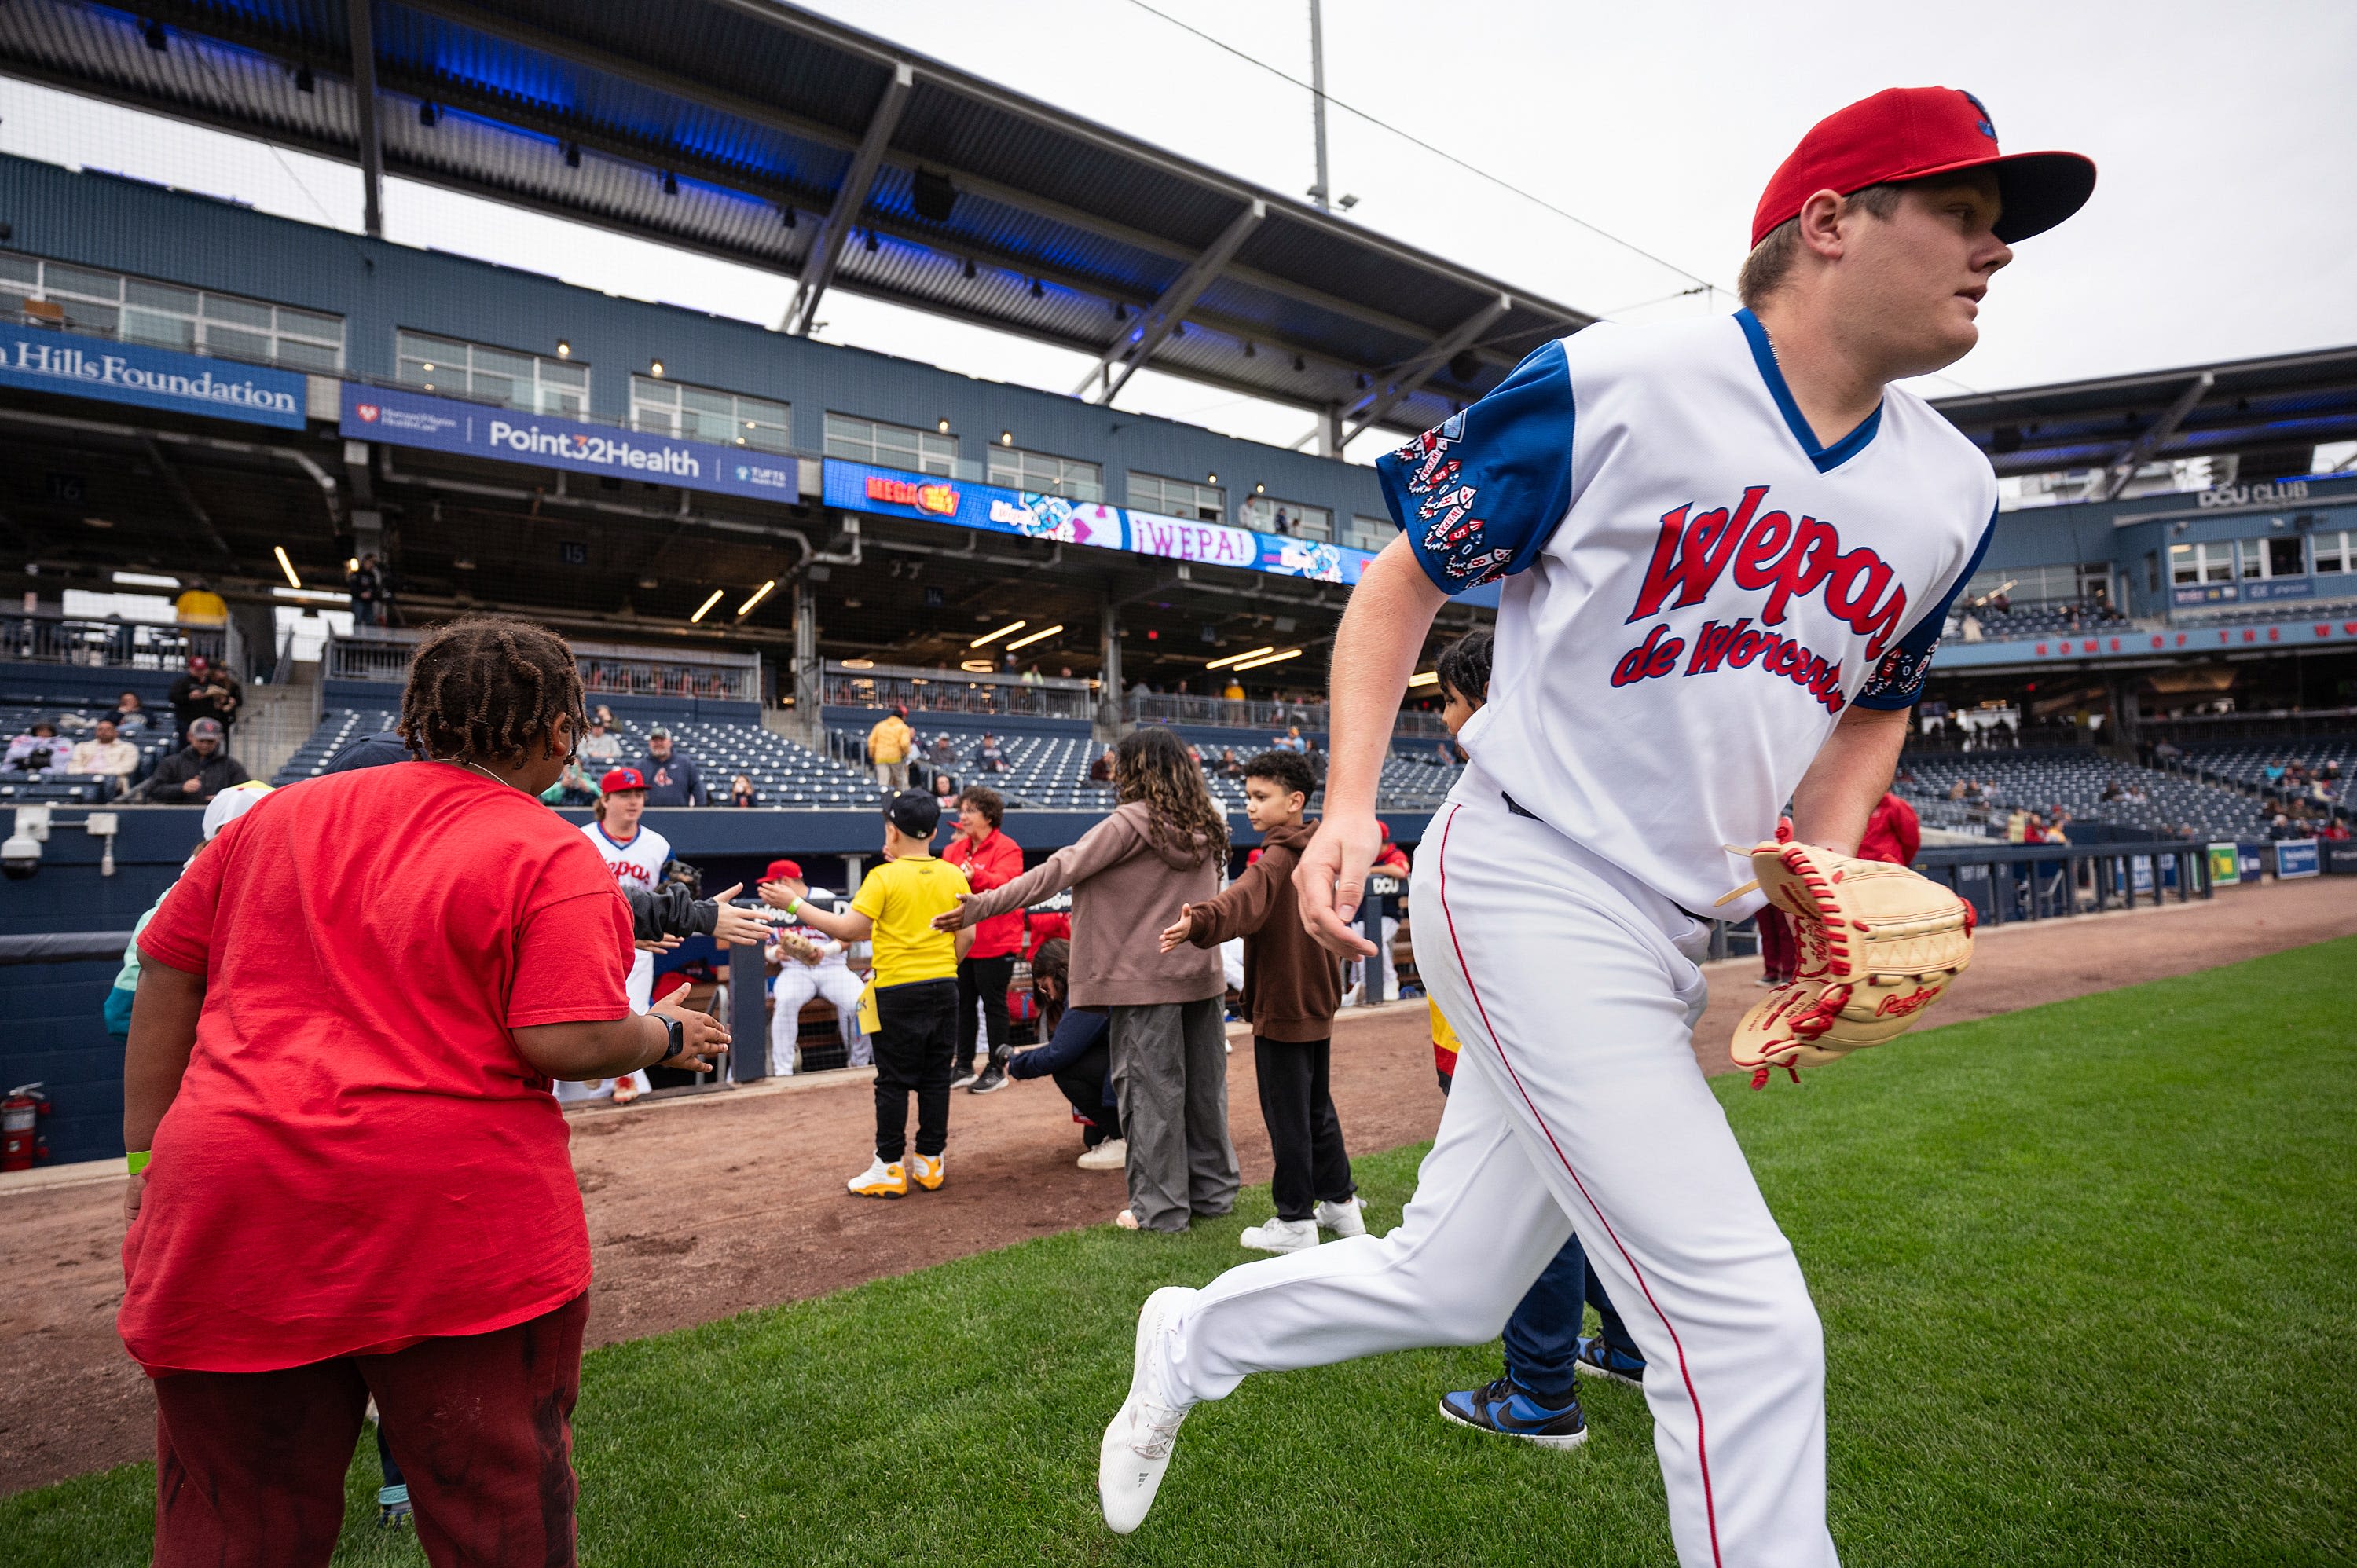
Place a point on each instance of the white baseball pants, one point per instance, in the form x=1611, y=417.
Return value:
x=797, y=983
x=1577, y=1106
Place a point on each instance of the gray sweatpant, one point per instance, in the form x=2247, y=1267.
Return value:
x=1171, y=1076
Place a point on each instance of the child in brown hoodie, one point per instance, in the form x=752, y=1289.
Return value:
x=1291, y=988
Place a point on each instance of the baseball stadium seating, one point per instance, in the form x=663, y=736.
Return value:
x=2073, y=782
x=2043, y=621
x=73, y=716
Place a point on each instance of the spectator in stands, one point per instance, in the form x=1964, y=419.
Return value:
x=1101, y=770
x=130, y=718
x=1131, y=875
x=1290, y=740
x=197, y=771
x=1234, y=692
x=943, y=751
x=38, y=750
x=888, y=744
x=106, y=755
x=671, y=779
x=199, y=605
x=944, y=790
x=990, y=756
x=989, y=859
x=1231, y=765
x=740, y=792
x=206, y=692
x=1077, y=1056
x=600, y=748
x=574, y=787
x=1892, y=833
x=372, y=589
x=261, y=1132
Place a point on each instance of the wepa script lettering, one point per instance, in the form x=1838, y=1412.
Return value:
x=1771, y=552
x=1182, y=541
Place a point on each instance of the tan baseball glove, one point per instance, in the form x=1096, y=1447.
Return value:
x=1877, y=944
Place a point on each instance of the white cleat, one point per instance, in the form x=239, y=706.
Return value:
x=1136, y=1446
x=1346, y=1219
x=1280, y=1236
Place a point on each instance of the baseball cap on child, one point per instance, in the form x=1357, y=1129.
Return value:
x=914, y=814
x=1913, y=132
x=621, y=778
x=781, y=870
x=232, y=803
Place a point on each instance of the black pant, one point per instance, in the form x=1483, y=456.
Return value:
x=1082, y=1079
x=983, y=980
x=1303, y=1131
x=914, y=1036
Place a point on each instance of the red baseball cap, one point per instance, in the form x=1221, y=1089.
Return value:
x=1914, y=133
x=621, y=778
x=781, y=869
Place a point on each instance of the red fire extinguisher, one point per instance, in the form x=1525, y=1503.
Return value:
x=20, y=1138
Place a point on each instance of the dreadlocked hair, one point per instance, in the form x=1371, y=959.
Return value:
x=1464, y=667
x=490, y=687
x=1150, y=765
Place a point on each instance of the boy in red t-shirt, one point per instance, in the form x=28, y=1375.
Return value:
x=309, y=1006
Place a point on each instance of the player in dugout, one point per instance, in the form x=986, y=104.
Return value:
x=306, y=1003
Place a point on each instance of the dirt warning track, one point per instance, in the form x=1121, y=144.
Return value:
x=703, y=1207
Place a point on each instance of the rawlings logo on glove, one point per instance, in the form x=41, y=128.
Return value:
x=1877, y=945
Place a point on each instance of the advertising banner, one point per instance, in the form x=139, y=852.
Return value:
x=39, y=359
x=2225, y=865
x=2296, y=857
x=478, y=430
x=930, y=497
x=2140, y=873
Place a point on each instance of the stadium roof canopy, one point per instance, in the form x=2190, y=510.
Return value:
x=761, y=135
x=2273, y=411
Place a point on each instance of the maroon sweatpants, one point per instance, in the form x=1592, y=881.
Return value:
x=250, y=1466
x=1779, y=953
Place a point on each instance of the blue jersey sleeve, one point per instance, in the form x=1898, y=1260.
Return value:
x=1898, y=681
x=1480, y=497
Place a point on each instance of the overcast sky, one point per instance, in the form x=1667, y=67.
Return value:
x=2224, y=225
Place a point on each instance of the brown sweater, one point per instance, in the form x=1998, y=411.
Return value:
x=1125, y=891
x=1291, y=984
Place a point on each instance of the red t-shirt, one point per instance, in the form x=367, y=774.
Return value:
x=1892, y=833
x=995, y=864
x=358, y=1157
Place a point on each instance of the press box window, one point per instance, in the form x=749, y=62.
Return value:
x=1176, y=498
x=2192, y=564
x=525, y=381
x=699, y=413
x=1370, y=533
x=1265, y=514
x=168, y=315
x=1042, y=475
x=2274, y=556
x=891, y=445
x=2336, y=551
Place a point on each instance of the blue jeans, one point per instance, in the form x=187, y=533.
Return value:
x=1543, y=1336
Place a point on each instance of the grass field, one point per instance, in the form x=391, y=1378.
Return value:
x=2087, y=1273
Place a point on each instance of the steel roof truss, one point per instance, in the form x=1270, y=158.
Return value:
x=1132, y=348
x=818, y=271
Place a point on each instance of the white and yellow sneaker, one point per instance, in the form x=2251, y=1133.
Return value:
x=926, y=1171
x=881, y=1180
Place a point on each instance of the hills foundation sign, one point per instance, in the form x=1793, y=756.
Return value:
x=41, y=359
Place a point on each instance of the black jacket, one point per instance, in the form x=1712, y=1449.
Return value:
x=218, y=772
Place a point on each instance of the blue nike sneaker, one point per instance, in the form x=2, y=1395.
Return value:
x=1509, y=1409
x=1596, y=1360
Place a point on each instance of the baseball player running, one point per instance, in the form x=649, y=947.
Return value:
x=1728, y=546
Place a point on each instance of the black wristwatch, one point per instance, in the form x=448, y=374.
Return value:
x=677, y=1031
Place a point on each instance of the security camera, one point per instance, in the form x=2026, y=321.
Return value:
x=20, y=856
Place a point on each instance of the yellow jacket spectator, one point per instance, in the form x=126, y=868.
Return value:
x=199, y=605
x=888, y=746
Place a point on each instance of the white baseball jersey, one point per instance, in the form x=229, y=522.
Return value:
x=637, y=864
x=1696, y=588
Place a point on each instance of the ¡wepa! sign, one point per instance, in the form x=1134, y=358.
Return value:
x=472, y=429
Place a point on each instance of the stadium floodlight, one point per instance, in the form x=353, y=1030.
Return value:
x=706, y=608
x=145, y=580
x=287, y=566
x=976, y=666
x=994, y=636
x=1042, y=633
x=1424, y=677
x=1239, y=658
x=1272, y=659
x=758, y=594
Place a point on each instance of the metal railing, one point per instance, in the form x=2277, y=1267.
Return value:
x=2008, y=883
x=44, y=637
x=382, y=653
x=923, y=690
x=1218, y=712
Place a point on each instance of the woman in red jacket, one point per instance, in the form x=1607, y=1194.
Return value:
x=989, y=859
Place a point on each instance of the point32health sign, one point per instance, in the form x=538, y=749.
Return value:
x=39, y=359
x=478, y=430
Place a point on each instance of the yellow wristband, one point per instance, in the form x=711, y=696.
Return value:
x=136, y=1160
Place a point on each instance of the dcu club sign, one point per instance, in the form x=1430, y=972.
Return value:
x=42, y=360
x=476, y=430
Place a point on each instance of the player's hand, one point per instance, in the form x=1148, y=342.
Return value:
x=961, y=917
x=784, y=891
x=1331, y=879
x=703, y=1036
x=1179, y=929
x=799, y=949
x=661, y=944
x=731, y=925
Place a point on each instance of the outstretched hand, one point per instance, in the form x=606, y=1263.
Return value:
x=1331, y=879
x=1179, y=931
x=731, y=925
x=785, y=890
x=703, y=1036
x=961, y=917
